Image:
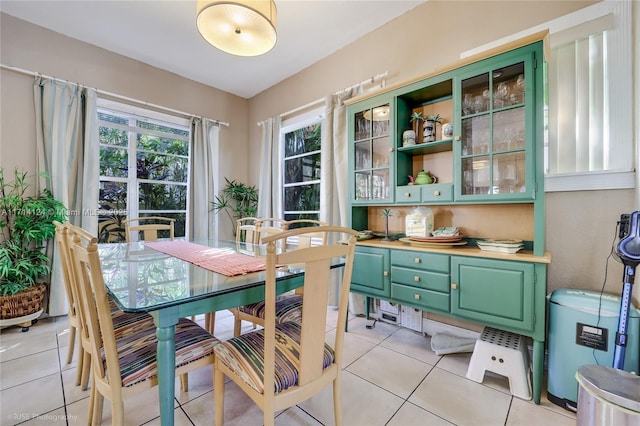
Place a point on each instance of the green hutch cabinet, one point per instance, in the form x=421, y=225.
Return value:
x=493, y=158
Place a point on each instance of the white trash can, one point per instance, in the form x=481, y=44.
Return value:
x=607, y=396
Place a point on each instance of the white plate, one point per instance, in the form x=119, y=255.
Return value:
x=499, y=249
x=500, y=244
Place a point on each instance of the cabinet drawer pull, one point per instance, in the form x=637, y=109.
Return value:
x=457, y=138
x=416, y=279
x=416, y=296
x=454, y=286
x=407, y=194
x=385, y=273
x=436, y=193
x=417, y=260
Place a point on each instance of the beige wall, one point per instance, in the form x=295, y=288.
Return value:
x=580, y=225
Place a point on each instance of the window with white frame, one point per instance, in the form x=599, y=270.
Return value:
x=144, y=167
x=589, y=135
x=301, y=139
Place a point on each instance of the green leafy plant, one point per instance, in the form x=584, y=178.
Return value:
x=26, y=225
x=435, y=118
x=237, y=200
x=415, y=119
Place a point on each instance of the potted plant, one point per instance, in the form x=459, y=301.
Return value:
x=26, y=229
x=429, y=129
x=238, y=200
x=416, y=118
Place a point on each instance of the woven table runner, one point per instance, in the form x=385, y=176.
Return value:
x=223, y=261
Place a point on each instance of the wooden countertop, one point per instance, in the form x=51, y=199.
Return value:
x=468, y=250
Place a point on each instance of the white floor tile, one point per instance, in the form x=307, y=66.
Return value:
x=461, y=401
x=412, y=415
x=363, y=403
x=25, y=401
x=391, y=370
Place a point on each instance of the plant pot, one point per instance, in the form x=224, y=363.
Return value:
x=23, y=304
x=429, y=131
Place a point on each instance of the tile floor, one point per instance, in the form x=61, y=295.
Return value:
x=390, y=377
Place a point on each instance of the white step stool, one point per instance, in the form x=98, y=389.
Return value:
x=503, y=353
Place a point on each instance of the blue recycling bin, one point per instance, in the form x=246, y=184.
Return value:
x=582, y=331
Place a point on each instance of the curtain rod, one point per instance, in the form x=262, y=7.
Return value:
x=114, y=95
x=317, y=101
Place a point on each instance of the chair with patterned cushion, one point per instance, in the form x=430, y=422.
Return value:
x=284, y=364
x=149, y=226
x=126, y=365
x=124, y=323
x=289, y=305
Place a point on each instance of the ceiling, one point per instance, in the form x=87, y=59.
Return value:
x=163, y=33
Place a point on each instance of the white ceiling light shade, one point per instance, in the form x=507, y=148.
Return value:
x=241, y=27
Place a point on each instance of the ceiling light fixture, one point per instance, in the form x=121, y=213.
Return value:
x=377, y=114
x=241, y=27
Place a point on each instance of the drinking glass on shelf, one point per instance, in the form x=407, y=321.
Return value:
x=500, y=95
x=511, y=177
x=467, y=104
x=478, y=104
x=520, y=87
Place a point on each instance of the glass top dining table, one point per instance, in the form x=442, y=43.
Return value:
x=141, y=279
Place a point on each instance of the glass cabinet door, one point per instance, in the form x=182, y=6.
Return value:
x=493, y=135
x=372, y=154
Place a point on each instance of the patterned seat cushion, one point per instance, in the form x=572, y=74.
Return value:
x=288, y=308
x=137, y=351
x=125, y=323
x=245, y=356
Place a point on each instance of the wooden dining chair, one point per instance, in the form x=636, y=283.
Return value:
x=269, y=226
x=149, y=226
x=284, y=364
x=288, y=305
x=126, y=365
x=73, y=309
x=124, y=323
x=246, y=229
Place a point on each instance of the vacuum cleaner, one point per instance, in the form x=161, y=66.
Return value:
x=628, y=250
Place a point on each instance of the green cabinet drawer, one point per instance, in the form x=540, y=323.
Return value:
x=420, y=260
x=370, y=274
x=437, y=193
x=424, y=279
x=420, y=298
x=494, y=292
x=408, y=194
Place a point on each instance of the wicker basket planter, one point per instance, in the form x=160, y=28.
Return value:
x=23, y=304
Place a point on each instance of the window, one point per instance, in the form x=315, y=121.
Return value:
x=589, y=134
x=144, y=168
x=301, y=139
x=301, y=172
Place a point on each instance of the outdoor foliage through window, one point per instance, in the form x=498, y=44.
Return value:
x=301, y=170
x=144, y=167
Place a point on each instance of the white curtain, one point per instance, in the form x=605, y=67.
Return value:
x=205, y=143
x=334, y=192
x=270, y=186
x=67, y=151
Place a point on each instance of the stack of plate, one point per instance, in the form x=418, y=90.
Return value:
x=444, y=241
x=501, y=246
